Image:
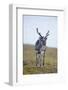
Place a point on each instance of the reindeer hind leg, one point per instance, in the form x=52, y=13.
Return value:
x=36, y=59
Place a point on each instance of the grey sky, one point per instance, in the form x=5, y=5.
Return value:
x=44, y=23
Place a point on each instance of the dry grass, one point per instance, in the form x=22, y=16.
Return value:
x=29, y=61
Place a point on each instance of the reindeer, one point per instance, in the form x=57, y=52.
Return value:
x=40, y=47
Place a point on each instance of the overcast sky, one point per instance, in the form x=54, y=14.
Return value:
x=44, y=23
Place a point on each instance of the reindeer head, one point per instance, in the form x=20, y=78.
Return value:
x=43, y=39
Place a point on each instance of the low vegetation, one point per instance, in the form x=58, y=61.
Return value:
x=29, y=61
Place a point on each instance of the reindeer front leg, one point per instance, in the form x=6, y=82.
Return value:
x=38, y=60
x=44, y=58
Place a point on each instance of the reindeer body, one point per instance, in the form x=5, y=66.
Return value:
x=40, y=48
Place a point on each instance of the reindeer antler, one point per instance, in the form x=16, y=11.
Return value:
x=47, y=34
x=38, y=32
